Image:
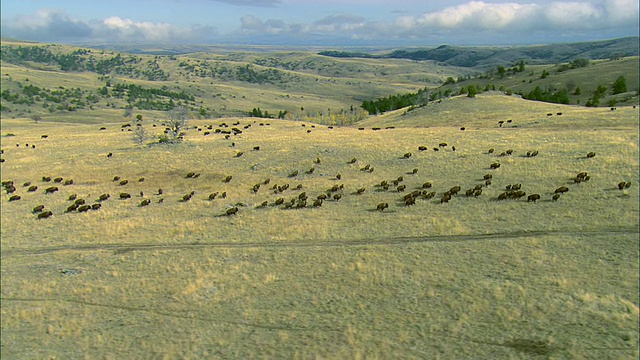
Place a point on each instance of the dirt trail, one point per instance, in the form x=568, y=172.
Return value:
x=123, y=248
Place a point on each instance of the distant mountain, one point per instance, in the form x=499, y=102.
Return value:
x=480, y=56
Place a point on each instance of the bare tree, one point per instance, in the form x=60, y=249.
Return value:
x=139, y=134
x=177, y=121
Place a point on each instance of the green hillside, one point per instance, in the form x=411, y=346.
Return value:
x=65, y=83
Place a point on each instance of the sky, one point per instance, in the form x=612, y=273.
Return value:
x=319, y=22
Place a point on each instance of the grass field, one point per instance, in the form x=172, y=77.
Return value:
x=472, y=278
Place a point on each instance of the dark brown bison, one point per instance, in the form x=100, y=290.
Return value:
x=125, y=196
x=495, y=165
x=45, y=214
x=123, y=182
x=51, y=190
x=38, y=209
x=382, y=206
x=591, y=154
x=84, y=208
x=561, y=190
x=104, y=197
x=533, y=197
x=145, y=202
x=337, y=197
x=32, y=188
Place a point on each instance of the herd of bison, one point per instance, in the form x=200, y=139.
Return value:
x=284, y=195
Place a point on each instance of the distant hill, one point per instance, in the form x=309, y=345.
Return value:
x=479, y=56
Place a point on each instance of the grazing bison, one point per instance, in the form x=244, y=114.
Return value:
x=79, y=202
x=338, y=176
x=279, y=201
x=360, y=191
x=410, y=201
x=68, y=182
x=116, y=178
x=454, y=190
x=72, y=197
x=58, y=180
x=317, y=203
x=227, y=179
x=103, y=197
x=591, y=154
x=561, y=190
x=84, y=208
x=422, y=148
x=32, y=188
x=382, y=206
x=293, y=173
x=426, y=185
x=487, y=177
x=445, y=199
x=352, y=161
x=45, y=214
x=429, y=195
x=141, y=179
x=190, y=175
x=401, y=188
x=407, y=155
x=72, y=208
x=624, y=185
x=145, y=202
x=337, y=197
x=125, y=196
x=495, y=165
x=442, y=144
x=533, y=197
x=38, y=209
x=555, y=197
x=490, y=151
x=51, y=190
x=123, y=182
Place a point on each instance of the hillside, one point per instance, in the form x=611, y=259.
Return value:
x=483, y=57
x=62, y=79
x=72, y=84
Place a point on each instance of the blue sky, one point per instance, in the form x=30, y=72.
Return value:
x=319, y=22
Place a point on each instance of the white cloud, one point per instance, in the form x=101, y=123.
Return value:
x=55, y=25
x=474, y=21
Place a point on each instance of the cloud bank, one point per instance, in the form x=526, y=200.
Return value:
x=470, y=22
x=56, y=25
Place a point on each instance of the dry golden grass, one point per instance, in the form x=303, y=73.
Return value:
x=474, y=278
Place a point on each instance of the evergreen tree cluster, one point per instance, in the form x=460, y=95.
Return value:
x=394, y=102
x=559, y=97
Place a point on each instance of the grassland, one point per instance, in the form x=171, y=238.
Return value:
x=472, y=278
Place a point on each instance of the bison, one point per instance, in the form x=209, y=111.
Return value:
x=45, y=214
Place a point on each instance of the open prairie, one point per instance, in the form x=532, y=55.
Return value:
x=474, y=277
